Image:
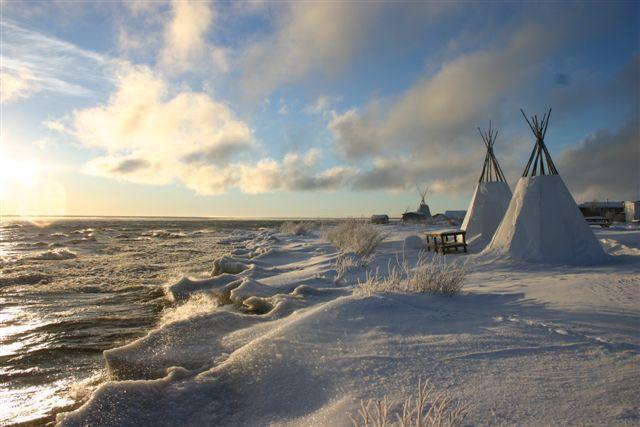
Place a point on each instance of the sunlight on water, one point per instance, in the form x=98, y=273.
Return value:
x=41, y=399
x=72, y=288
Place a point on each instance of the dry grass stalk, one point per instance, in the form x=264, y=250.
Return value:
x=428, y=409
x=433, y=276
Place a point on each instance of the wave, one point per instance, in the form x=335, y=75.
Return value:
x=24, y=279
x=55, y=255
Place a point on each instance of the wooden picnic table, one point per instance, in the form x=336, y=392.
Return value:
x=446, y=241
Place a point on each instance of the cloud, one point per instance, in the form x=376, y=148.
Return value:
x=264, y=176
x=173, y=34
x=605, y=165
x=220, y=58
x=427, y=132
x=130, y=165
x=16, y=86
x=291, y=175
x=33, y=62
x=312, y=157
x=309, y=37
x=319, y=106
x=167, y=134
x=185, y=33
x=149, y=135
x=282, y=107
x=322, y=105
x=321, y=39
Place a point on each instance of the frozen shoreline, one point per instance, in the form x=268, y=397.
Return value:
x=525, y=344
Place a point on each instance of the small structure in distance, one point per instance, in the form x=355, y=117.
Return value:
x=380, y=219
x=423, y=214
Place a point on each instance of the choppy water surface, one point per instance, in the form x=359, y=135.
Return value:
x=71, y=288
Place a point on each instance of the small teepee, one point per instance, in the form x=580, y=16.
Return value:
x=491, y=197
x=423, y=214
x=542, y=222
x=423, y=208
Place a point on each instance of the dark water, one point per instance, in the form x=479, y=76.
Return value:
x=71, y=288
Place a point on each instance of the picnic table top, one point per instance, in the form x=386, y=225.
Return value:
x=446, y=232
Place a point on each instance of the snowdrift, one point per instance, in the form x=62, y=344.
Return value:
x=543, y=224
x=278, y=343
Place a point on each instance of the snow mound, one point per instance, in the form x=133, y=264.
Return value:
x=543, y=224
x=486, y=209
x=414, y=242
x=228, y=265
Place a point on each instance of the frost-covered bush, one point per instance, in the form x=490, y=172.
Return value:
x=375, y=283
x=437, y=276
x=302, y=228
x=427, y=409
x=432, y=276
x=343, y=264
x=355, y=236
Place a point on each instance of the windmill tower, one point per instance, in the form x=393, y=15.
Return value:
x=542, y=222
x=423, y=208
x=491, y=196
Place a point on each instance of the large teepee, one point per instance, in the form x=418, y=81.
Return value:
x=491, y=197
x=542, y=222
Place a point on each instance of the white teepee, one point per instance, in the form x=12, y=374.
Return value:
x=491, y=197
x=543, y=222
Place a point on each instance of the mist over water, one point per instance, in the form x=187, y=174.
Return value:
x=71, y=288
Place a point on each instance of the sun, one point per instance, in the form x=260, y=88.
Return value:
x=18, y=173
x=27, y=189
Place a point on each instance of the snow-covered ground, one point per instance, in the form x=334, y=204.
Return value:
x=273, y=340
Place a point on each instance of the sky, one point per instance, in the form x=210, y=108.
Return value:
x=307, y=109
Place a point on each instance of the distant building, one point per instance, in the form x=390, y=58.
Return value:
x=632, y=211
x=380, y=219
x=455, y=214
x=628, y=211
x=614, y=211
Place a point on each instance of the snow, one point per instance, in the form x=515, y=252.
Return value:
x=543, y=224
x=487, y=208
x=279, y=343
x=414, y=242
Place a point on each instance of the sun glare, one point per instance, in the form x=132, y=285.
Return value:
x=27, y=190
x=17, y=173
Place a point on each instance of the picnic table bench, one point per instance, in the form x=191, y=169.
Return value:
x=446, y=241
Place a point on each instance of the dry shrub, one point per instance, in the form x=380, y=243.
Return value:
x=343, y=264
x=428, y=409
x=433, y=276
x=376, y=283
x=437, y=276
x=302, y=228
x=355, y=236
